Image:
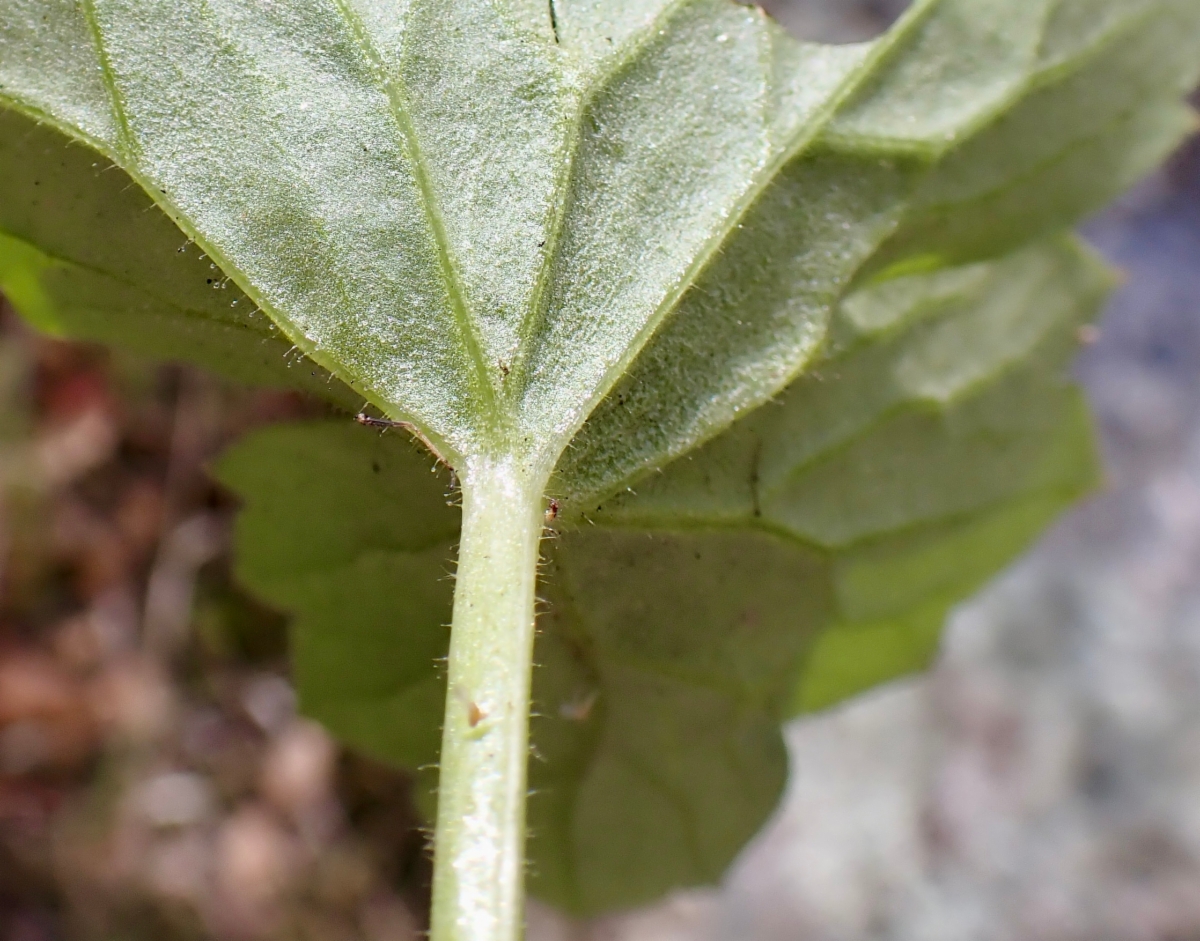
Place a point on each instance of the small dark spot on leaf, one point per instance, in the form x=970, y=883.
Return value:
x=475, y=715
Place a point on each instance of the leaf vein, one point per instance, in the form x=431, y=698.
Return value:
x=398, y=106
x=536, y=313
x=760, y=182
x=126, y=140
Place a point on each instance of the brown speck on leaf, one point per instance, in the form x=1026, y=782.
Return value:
x=475, y=715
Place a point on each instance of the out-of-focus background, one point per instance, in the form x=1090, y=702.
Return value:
x=1041, y=784
x=155, y=782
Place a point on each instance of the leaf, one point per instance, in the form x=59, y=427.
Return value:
x=607, y=240
x=340, y=179
x=476, y=217
x=85, y=254
x=809, y=552
x=350, y=530
x=941, y=156
x=1101, y=103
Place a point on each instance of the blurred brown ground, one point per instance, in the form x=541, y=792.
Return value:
x=155, y=781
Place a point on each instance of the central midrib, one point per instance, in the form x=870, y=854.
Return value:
x=398, y=105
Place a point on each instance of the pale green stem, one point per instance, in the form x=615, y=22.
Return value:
x=478, y=882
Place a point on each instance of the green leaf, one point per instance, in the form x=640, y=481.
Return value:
x=477, y=222
x=85, y=254
x=1100, y=104
x=763, y=316
x=808, y=553
x=351, y=530
x=941, y=156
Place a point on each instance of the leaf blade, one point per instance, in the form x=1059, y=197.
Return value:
x=697, y=613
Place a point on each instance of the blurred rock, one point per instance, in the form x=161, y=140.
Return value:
x=45, y=721
x=179, y=868
x=105, y=630
x=154, y=779
x=255, y=860
x=140, y=514
x=170, y=589
x=297, y=778
x=175, y=799
x=66, y=452
x=134, y=700
x=270, y=701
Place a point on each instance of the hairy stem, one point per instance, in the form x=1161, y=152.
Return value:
x=478, y=882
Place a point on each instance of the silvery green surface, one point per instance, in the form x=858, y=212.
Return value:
x=787, y=321
x=776, y=570
x=478, y=216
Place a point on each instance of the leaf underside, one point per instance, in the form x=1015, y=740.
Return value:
x=777, y=570
x=791, y=322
